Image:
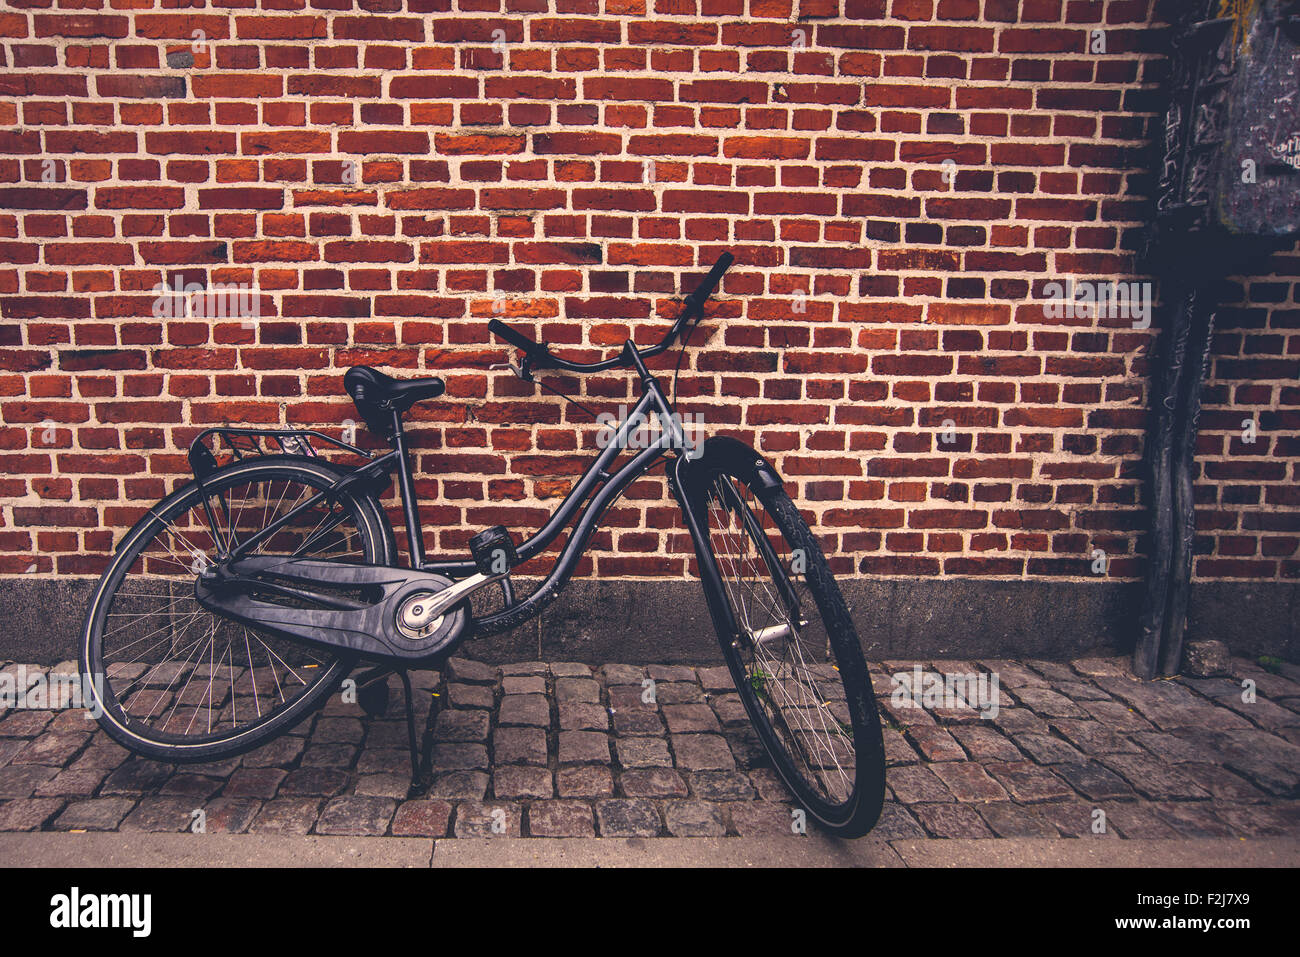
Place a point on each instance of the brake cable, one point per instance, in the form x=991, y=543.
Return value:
x=686, y=340
x=564, y=395
x=594, y=416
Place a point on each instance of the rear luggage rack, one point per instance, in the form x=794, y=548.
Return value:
x=242, y=443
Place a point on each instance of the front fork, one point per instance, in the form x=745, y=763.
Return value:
x=715, y=589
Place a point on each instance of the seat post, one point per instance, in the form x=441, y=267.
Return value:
x=414, y=532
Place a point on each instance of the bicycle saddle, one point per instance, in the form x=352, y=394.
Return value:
x=375, y=394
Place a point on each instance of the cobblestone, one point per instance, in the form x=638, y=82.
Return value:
x=71, y=783
x=702, y=752
x=384, y=761
x=652, y=783
x=1075, y=819
x=986, y=744
x=161, y=814
x=524, y=684
x=383, y=785
x=1093, y=737
x=470, y=672
x=462, y=725
x=457, y=757
x=918, y=785
x=531, y=710
x=522, y=782
x=588, y=781
x=96, y=814
x=1153, y=778
x=952, y=820
x=769, y=785
x=254, y=783
x=479, y=819
x=635, y=817
x=54, y=749
x=469, y=696
x=459, y=785
x=1013, y=820
x=193, y=786
x=1094, y=781
x=1045, y=749
x=577, y=690
x=1071, y=743
x=636, y=722
x=519, y=746
x=422, y=819
x=622, y=674
x=935, y=743
x=275, y=753
x=896, y=824
x=969, y=782
x=1191, y=820
x=136, y=776
x=693, y=819
x=1139, y=822
x=230, y=815
x=28, y=814
x=314, y=782
x=583, y=747
x=685, y=718
x=560, y=819
x=1027, y=783
x=722, y=786
x=287, y=816
x=643, y=752
x=357, y=816
x=582, y=716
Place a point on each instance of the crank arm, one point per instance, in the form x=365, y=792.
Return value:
x=458, y=592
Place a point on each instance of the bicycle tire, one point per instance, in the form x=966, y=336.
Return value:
x=856, y=806
x=375, y=545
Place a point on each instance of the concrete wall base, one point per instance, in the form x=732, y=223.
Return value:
x=667, y=621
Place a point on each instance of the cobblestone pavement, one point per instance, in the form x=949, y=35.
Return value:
x=566, y=750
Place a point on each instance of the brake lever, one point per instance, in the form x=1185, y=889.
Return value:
x=508, y=365
x=521, y=371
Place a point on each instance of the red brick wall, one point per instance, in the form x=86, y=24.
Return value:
x=872, y=299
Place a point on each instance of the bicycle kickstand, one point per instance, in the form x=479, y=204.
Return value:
x=410, y=732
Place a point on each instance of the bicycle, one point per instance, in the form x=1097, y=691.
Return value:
x=244, y=598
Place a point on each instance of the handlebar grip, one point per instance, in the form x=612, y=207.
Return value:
x=514, y=336
x=705, y=288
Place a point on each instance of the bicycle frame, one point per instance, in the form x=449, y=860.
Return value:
x=611, y=487
x=596, y=484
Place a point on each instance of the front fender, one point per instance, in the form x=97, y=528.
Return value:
x=718, y=450
x=691, y=477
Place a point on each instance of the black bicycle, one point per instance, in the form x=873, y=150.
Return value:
x=244, y=598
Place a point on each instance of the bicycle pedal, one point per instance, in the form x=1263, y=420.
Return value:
x=494, y=551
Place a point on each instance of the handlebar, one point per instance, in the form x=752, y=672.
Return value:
x=710, y=282
x=517, y=339
x=538, y=356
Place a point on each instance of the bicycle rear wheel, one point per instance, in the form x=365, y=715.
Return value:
x=794, y=656
x=176, y=682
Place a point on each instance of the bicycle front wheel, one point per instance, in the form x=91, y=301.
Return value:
x=176, y=682
x=794, y=654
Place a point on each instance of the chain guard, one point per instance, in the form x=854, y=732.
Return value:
x=368, y=626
